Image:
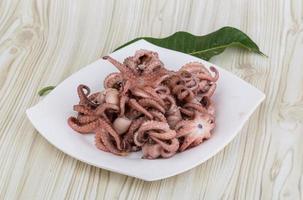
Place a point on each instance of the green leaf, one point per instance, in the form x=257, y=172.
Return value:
x=45, y=90
x=206, y=46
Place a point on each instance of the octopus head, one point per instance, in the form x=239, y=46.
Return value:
x=144, y=62
x=109, y=95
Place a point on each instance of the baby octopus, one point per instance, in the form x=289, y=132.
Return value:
x=146, y=107
x=196, y=130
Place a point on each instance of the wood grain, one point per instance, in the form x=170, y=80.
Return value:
x=43, y=42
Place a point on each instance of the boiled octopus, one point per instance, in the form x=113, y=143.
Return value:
x=147, y=107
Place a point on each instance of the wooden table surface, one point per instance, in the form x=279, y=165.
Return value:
x=43, y=42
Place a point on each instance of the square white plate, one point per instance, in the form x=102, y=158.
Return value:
x=235, y=101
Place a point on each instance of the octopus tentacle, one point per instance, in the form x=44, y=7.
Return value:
x=84, y=119
x=130, y=63
x=183, y=128
x=206, y=101
x=169, y=101
x=100, y=110
x=187, y=142
x=195, y=106
x=172, y=147
x=135, y=125
x=113, y=80
x=160, y=77
x=158, y=115
x=107, y=141
x=162, y=90
x=209, y=77
x=181, y=124
x=174, y=81
x=132, y=113
x=98, y=141
x=191, y=82
x=83, y=92
x=126, y=87
x=111, y=132
x=140, y=93
x=183, y=92
x=135, y=105
x=153, y=66
x=86, y=128
x=139, y=140
x=151, y=103
x=208, y=104
x=198, y=141
x=211, y=90
x=154, y=95
x=193, y=85
x=153, y=125
x=139, y=136
x=170, y=134
x=187, y=112
x=203, y=86
x=128, y=138
x=173, y=113
x=184, y=131
x=173, y=118
x=166, y=154
x=95, y=98
x=151, y=150
x=123, y=101
x=121, y=67
x=185, y=75
x=195, y=68
x=83, y=109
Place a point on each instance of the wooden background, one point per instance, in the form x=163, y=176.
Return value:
x=42, y=42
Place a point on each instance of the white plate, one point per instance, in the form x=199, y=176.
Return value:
x=235, y=101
